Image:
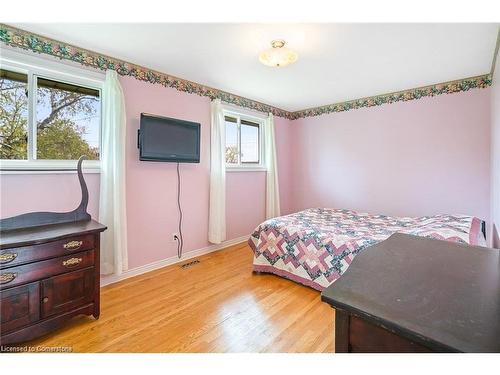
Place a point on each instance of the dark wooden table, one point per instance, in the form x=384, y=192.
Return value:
x=412, y=294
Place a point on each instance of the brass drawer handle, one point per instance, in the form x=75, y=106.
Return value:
x=7, y=277
x=73, y=245
x=7, y=257
x=72, y=262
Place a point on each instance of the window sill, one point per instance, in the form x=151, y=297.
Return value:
x=246, y=169
x=46, y=167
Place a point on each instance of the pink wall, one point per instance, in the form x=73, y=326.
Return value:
x=283, y=138
x=151, y=187
x=20, y=193
x=495, y=156
x=420, y=157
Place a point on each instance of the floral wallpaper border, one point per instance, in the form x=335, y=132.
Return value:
x=451, y=87
x=21, y=39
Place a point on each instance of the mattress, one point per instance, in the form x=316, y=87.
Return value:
x=316, y=246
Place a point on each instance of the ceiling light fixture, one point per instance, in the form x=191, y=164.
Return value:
x=278, y=55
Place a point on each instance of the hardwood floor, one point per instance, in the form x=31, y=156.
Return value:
x=218, y=305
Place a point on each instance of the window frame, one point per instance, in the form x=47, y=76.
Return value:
x=256, y=119
x=39, y=67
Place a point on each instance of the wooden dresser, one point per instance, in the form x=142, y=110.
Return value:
x=413, y=294
x=48, y=275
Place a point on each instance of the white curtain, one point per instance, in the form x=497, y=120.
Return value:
x=112, y=200
x=217, y=213
x=272, y=186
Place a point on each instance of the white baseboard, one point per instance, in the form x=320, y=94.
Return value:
x=111, y=279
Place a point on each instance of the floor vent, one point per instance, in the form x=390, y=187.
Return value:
x=190, y=264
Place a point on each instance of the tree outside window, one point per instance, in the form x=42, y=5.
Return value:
x=67, y=119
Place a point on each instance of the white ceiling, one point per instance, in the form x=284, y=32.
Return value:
x=337, y=62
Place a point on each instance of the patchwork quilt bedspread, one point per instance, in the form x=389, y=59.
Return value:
x=316, y=246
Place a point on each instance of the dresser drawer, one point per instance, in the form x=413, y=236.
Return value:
x=28, y=254
x=13, y=276
x=365, y=337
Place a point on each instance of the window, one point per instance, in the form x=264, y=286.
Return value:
x=67, y=121
x=47, y=118
x=243, y=142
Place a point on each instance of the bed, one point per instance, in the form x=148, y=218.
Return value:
x=315, y=247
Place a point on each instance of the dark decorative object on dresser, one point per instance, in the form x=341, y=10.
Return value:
x=49, y=270
x=414, y=294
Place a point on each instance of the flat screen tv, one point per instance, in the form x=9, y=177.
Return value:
x=168, y=139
